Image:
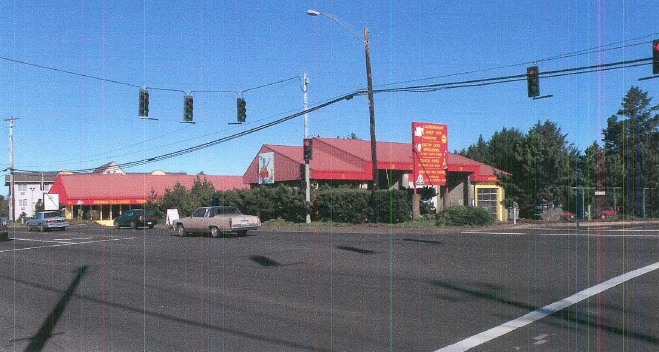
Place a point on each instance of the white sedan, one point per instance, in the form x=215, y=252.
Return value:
x=215, y=221
x=47, y=220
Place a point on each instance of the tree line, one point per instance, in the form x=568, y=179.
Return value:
x=542, y=167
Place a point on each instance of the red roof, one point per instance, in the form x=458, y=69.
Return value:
x=350, y=159
x=390, y=155
x=480, y=172
x=128, y=188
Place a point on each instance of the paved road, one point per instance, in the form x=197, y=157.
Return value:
x=367, y=289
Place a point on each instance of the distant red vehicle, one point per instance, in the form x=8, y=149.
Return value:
x=568, y=215
x=607, y=213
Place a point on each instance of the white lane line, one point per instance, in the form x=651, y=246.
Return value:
x=72, y=239
x=492, y=233
x=550, y=309
x=61, y=244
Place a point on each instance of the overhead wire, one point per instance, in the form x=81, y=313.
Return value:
x=416, y=88
x=213, y=142
x=592, y=50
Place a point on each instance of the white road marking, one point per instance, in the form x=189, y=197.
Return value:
x=550, y=309
x=540, y=339
x=59, y=243
x=72, y=239
x=493, y=233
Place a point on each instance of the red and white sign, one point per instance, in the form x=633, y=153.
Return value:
x=430, y=154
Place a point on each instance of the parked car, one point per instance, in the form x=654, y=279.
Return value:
x=135, y=218
x=4, y=231
x=47, y=220
x=607, y=213
x=217, y=220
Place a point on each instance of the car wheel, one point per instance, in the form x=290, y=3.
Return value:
x=242, y=233
x=150, y=226
x=180, y=230
x=116, y=224
x=41, y=228
x=133, y=225
x=215, y=233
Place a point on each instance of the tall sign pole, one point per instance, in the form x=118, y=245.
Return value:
x=307, y=185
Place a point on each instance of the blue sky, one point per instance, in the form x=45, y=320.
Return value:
x=71, y=73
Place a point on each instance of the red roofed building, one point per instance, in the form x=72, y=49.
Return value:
x=111, y=194
x=348, y=161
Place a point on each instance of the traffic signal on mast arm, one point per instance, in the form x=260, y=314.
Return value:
x=241, y=109
x=187, y=108
x=532, y=81
x=308, y=147
x=144, y=103
x=655, y=57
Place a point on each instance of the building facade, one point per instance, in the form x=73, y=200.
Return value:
x=110, y=194
x=28, y=192
x=337, y=161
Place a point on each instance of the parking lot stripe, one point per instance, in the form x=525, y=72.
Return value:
x=550, y=309
x=59, y=243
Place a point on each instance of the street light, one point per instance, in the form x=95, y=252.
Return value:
x=369, y=80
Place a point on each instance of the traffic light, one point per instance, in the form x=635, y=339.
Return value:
x=308, y=146
x=144, y=103
x=533, y=82
x=187, y=108
x=655, y=57
x=241, y=107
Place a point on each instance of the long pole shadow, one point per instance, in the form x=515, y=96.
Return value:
x=38, y=341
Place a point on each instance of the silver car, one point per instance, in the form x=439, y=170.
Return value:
x=46, y=221
x=217, y=220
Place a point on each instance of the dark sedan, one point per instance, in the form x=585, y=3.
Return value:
x=135, y=218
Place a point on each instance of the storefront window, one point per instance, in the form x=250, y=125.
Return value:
x=487, y=199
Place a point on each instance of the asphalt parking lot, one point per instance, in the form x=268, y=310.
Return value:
x=338, y=288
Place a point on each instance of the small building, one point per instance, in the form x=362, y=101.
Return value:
x=337, y=161
x=110, y=194
x=28, y=191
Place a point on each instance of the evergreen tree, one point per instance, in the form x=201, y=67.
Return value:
x=631, y=146
x=547, y=166
x=479, y=152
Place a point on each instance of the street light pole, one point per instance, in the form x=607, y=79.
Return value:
x=369, y=81
x=371, y=111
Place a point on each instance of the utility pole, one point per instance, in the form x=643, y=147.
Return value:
x=12, y=216
x=371, y=108
x=307, y=185
x=371, y=111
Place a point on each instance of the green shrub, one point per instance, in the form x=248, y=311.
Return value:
x=344, y=205
x=394, y=206
x=464, y=216
x=357, y=206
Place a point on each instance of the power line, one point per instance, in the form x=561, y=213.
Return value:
x=217, y=141
x=416, y=89
x=603, y=48
x=55, y=69
x=67, y=72
x=512, y=78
